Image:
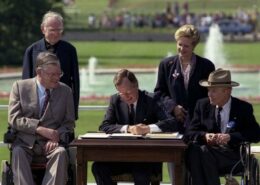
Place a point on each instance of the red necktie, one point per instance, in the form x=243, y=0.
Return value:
x=46, y=100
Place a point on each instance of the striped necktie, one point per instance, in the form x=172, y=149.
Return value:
x=46, y=100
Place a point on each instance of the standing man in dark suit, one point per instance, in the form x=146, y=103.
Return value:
x=131, y=111
x=41, y=112
x=220, y=124
x=52, y=29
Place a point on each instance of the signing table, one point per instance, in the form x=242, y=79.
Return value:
x=130, y=150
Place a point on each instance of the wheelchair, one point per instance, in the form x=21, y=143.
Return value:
x=250, y=174
x=38, y=168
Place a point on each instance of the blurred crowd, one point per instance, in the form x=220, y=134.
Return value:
x=174, y=15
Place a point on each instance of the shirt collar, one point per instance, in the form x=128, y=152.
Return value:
x=227, y=105
x=49, y=46
x=40, y=87
x=193, y=58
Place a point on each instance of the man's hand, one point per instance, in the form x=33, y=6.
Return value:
x=180, y=113
x=50, y=146
x=48, y=133
x=217, y=139
x=222, y=139
x=211, y=138
x=139, y=129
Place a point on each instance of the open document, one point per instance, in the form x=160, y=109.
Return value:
x=94, y=135
x=173, y=135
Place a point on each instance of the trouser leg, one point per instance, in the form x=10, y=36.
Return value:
x=206, y=163
x=102, y=172
x=21, y=160
x=198, y=160
x=57, y=168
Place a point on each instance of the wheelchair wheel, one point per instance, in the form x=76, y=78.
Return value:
x=7, y=174
x=254, y=176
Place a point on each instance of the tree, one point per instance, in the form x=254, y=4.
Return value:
x=20, y=26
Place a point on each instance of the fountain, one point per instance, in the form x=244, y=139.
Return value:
x=95, y=83
x=84, y=85
x=214, y=47
x=214, y=51
x=92, y=63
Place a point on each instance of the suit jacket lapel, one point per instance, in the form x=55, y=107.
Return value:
x=124, y=110
x=211, y=110
x=140, y=109
x=233, y=112
x=35, y=98
x=194, y=63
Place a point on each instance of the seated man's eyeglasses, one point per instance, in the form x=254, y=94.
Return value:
x=51, y=75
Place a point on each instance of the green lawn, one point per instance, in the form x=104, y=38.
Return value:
x=88, y=121
x=137, y=54
x=149, y=54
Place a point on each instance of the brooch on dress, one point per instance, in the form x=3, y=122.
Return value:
x=175, y=74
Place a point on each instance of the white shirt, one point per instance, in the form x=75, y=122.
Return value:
x=224, y=115
x=41, y=94
x=153, y=127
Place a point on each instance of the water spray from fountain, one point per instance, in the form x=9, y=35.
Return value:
x=92, y=63
x=214, y=50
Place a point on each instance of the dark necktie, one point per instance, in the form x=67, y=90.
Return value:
x=132, y=114
x=219, y=118
x=46, y=100
x=49, y=47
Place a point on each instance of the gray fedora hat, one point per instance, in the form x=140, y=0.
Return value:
x=219, y=78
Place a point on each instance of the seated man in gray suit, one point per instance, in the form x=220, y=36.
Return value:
x=131, y=111
x=41, y=111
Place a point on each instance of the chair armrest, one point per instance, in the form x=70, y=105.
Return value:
x=10, y=135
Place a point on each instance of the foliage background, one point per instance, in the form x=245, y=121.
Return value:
x=20, y=26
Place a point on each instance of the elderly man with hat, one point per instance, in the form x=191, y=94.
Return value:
x=220, y=124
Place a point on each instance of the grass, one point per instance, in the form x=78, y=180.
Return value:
x=88, y=121
x=137, y=54
x=149, y=54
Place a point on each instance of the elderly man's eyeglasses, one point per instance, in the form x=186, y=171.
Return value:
x=54, y=30
x=52, y=75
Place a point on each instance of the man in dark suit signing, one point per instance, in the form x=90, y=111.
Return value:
x=131, y=111
x=52, y=29
x=220, y=124
x=42, y=115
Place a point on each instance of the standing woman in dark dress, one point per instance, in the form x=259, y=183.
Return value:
x=178, y=76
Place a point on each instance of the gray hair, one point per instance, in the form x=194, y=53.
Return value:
x=51, y=14
x=46, y=58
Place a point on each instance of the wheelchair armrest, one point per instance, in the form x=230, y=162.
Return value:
x=10, y=135
x=66, y=138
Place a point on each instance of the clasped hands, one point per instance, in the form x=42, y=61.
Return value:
x=217, y=139
x=139, y=129
x=180, y=113
x=52, y=136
